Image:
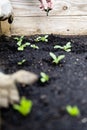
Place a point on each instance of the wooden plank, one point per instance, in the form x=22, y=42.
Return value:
x=5, y=28
x=69, y=17
x=61, y=7
x=63, y=25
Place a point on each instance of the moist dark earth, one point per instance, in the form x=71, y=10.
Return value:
x=67, y=84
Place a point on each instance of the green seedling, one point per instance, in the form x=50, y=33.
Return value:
x=73, y=111
x=56, y=59
x=21, y=47
x=21, y=62
x=24, y=107
x=34, y=46
x=19, y=43
x=42, y=38
x=19, y=40
x=44, y=77
x=66, y=47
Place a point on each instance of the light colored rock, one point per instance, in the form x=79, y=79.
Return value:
x=13, y=94
x=5, y=80
x=4, y=102
x=24, y=77
x=8, y=90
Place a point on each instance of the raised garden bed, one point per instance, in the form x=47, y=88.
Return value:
x=67, y=84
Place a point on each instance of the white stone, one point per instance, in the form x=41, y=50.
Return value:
x=8, y=90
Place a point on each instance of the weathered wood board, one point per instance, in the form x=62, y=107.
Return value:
x=69, y=17
x=58, y=25
x=28, y=8
x=5, y=28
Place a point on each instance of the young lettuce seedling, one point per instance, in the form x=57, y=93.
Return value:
x=66, y=47
x=19, y=40
x=25, y=106
x=44, y=77
x=42, y=38
x=21, y=47
x=73, y=111
x=34, y=46
x=21, y=62
x=19, y=43
x=56, y=59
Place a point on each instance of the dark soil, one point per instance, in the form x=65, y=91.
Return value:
x=67, y=84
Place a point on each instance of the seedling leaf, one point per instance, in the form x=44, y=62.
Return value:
x=73, y=111
x=66, y=47
x=34, y=46
x=42, y=38
x=58, y=47
x=27, y=43
x=22, y=46
x=53, y=55
x=60, y=57
x=25, y=106
x=19, y=40
x=44, y=77
x=21, y=62
x=56, y=59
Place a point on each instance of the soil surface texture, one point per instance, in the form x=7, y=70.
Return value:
x=67, y=84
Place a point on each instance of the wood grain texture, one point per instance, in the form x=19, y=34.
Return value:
x=63, y=25
x=69, y=17
x=61, y=7
x=5, y=28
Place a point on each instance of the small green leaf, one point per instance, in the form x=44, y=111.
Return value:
x=68, y=44
x=19, y=40
x=38, y=39
x=73, y=111
x=68, y=50
x=16, y=38
x=42, y=80
x=53, y=55
x=21, y=62
x=58, y=47
x=25, y=106
x=20, y=48
x=44, y=77
x=21, y=37
x=27, y=43
x=56, y=59
x=19, y=43
x=34, y=46
x=46, y=36
x=42, y=38
x=66, y=47
x=60, y=57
